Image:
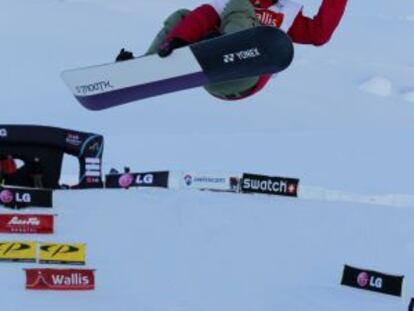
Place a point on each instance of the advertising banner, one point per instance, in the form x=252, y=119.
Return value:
x=213, y=181
x=148, y=179
x=52, y=253
x=372, y=281
x=60, y=279
x=25, y=197
x=19, y=223
x=17, y=251
x=284, y=186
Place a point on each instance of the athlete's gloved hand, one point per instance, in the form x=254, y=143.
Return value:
x=169, y=45
x=124, y=55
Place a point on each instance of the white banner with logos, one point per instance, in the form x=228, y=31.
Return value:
x=217, y=181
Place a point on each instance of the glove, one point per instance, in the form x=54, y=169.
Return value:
x=124, y=55
x=169, y=45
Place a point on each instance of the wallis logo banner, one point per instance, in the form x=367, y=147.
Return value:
x=372, y=281
x=60, y=279
x=18, y=251
x=51, y=253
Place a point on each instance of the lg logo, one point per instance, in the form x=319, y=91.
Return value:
x=126, y=180
x=376, y=282
x=23, y=197
x=364, y=279
x=228, y=58
x=6, y=196
x=3, y=133
x=146, y=179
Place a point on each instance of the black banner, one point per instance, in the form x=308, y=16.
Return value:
x=372, y=281
x=149, y=179
x=22, y=197
x=269, y=185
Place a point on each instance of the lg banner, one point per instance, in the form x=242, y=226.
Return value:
x=60, y=279
x=17, y=223
x=21, y=197
x=372, y=281
x=149, y=179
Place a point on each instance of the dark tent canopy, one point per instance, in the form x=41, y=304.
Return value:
x=26, y=142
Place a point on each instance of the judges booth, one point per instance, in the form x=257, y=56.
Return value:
x=48, y=145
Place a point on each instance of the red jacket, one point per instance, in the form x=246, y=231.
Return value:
x=304, y=30
x=8, y=166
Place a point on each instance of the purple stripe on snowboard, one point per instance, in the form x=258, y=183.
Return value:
x=123, y=96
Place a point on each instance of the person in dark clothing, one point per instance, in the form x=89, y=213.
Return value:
x=35, y=171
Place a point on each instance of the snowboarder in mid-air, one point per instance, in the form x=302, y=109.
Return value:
x=185, y=27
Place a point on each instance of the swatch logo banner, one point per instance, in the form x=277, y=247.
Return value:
x=18, y=251
x=60, y=279
x=269, y=185
x=18, y=223
x=73, y=254
x=372, y=281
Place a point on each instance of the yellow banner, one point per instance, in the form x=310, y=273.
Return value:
x=73, y=254
x=18, y=251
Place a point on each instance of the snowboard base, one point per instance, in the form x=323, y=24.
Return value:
x=252, y=52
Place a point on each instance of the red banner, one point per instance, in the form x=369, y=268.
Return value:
x=60, y=279
x=18, y=223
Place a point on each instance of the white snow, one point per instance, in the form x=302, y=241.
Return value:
x=174, y=250
x=182, y=250
x=378, y=86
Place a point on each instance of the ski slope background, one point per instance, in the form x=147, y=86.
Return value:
x=340, y=119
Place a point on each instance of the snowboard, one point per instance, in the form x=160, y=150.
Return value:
x=252, y=52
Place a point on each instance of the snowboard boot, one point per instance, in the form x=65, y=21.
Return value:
x=237, y=15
